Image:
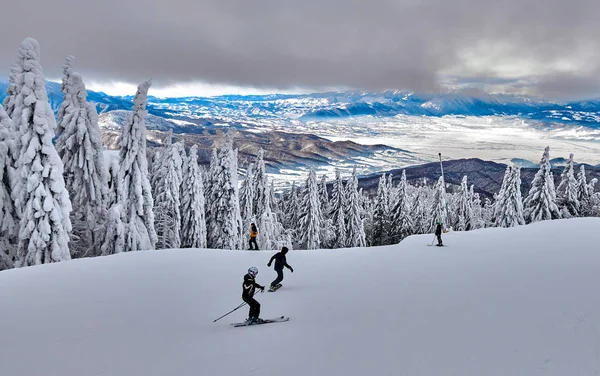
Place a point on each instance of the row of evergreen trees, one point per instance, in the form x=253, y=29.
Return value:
x=60, y=200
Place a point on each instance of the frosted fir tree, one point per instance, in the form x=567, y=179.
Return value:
x=420, y=210
x=381, y=214
x=79, y=145
x=247, y=198
x=270, y=231
x=464, y=207
x=114, y=236
x=324, y=197
x=193, y=227
x=327, y=232
x=154, y=169
x=167, y=209
x=488, y=212
x=13, y=92
x=438, y=207
x=478, y=220
x=311, y=217
x=355, y=232
x=540, y=203
x=135, y=193
x=499, y=197
x=211, y=179
x=40, y=196
x=8, y=216
x=402, y=223
x=227, y=227
x=337, y=211
x=584, y=192
x=290, y=207
x=112, y=182
x=260, y=188
x=567, y=191
x=509, y=207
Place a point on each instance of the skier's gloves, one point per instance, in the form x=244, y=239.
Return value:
x=291, y=269
x=262, y=289
x=269, y=265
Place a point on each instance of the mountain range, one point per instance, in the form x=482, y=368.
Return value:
x=234, y=109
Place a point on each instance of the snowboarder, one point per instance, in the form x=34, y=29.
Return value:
x=253, y=235
x=280, y=262
x=249, y=287
x=438, y=233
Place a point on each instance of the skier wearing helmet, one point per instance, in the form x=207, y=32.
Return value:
x=438, y=233
x=249, y=287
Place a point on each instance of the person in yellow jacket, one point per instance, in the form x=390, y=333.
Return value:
x=253, y=235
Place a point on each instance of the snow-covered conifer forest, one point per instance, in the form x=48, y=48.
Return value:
x=60, y=198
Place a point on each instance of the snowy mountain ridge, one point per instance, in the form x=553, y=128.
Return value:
x=335, y=105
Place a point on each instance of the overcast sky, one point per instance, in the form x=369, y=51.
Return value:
x=549, y=48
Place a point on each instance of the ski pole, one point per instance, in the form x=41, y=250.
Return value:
x=433, y=239
x=233, y=310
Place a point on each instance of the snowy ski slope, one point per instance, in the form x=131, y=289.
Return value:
x=521, y=301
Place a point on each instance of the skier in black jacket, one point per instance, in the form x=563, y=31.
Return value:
x=438, y=233
x=280, y=262
x=249, y=287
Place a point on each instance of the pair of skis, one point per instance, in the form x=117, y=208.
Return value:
x=267, y=321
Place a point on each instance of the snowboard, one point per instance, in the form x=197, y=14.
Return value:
x=275, y=288
x=267, y=321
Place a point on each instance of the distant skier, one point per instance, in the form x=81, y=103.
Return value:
x=253, y=235
x=438, y=233
x=249, y=287
x=280, y=262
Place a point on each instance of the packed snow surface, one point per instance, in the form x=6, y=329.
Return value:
x=520, y=301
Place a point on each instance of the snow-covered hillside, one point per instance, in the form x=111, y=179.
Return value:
x=519, y=301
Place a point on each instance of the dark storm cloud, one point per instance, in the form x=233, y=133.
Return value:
x=375, y=44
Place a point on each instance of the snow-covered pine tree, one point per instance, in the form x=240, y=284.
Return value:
x=488, y=213
x=135, y=194
x=247, y=198
x=381, y=214
x=8, y=217
x=464, y=207
x=311, y=217
x=79, y=146
x=39, y=193
x=402, y=223
x=355, y=231
x=324, y=197
x=270, y=231
x=211, y=179
x=113, y=182
x=17, y=73
x=420, y=210
x=260, y=188
x=167, y=202
x=567, y=191
x=540, y=203
x=227, y=227
x=193, y=228
x=583, y=192
x=113, y=241
x=337, y=210
x=500, y=195
x=478, y=221
x=327, y=232
x=154, y=170
x=509, y=207
x=438, y=207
